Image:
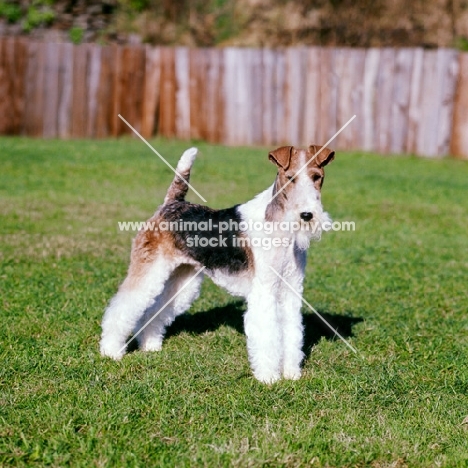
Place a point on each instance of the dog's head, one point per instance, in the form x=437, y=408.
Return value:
x=297, y=188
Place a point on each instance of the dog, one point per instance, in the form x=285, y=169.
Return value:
x=251, y=250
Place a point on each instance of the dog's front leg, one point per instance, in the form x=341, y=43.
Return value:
x=293, y=331
x=262, y=329
x=290, y=315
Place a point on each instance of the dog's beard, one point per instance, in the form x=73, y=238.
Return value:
x=312, y=231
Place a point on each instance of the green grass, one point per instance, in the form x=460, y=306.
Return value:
x=396, y=287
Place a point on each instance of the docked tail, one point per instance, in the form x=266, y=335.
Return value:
x=178, y=188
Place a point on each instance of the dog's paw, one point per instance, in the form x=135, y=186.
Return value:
x=150, y=344
x=112, y=350
x=267, y=377
x=292, y=373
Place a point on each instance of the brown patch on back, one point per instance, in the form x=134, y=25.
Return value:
x=146, y=244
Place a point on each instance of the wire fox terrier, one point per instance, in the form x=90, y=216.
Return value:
x=240, y=249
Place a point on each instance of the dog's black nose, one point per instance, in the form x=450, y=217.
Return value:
x=306, y=215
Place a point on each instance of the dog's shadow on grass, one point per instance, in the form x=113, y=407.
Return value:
x=198, y=323
x=231, y=315
x=315, y=329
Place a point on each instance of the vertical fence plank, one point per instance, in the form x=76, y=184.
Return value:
x=355, y=132
x=19, y=60
x=12, y=84
x=167, y=107
x=268, y=70
x=92, y=84
x=34, y=90
x=459, y=142
x=80, y=91
x=182, y=93
x=238, y=98
x=117, y=126
x=151, y=92
x=214, y=76
x=448, y=71
x=244, y=93
x=138, y=85
x=426, y=142
x=294, y=97
x=370, y=97
x=237, y=90
x=203, y=91
x=385, y=82
x=414, y=111
x=195, y=97
x=228, y=86
x=5, y=85
x=125, y=97
x=329, y=95
x=220, y=99
x=104, y=95
x=65, y=91
x=311, y=96
x=39, y=91
x=256, y=98
x=130, y=100
x=3, y=88
x=198, y=93
x=279, y=98
x=401, y=100
x=51, y=84
x=30, y=85
x=343, y=63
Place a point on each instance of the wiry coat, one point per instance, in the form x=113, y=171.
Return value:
x=164, y=263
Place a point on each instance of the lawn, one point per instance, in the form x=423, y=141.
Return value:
x=395, y=288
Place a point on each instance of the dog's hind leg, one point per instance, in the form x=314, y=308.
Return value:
x=143, y=284
x=186, y=287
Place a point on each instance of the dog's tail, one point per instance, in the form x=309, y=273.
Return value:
x=179, y=186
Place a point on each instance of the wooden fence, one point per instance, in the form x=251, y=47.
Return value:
x=406, y=100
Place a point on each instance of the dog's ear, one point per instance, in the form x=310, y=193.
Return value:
x=325, y=156
x=281, y=157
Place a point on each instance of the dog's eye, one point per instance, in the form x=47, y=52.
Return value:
x=316, y=177
x=290, y=178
